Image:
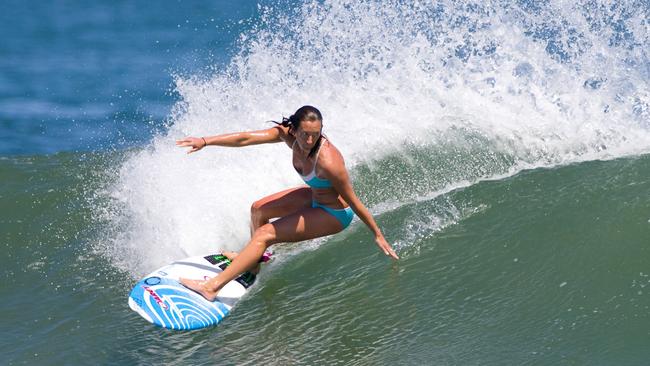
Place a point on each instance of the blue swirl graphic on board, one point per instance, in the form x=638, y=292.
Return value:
x=169, y=304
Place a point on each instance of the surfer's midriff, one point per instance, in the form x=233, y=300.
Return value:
x=328, y=197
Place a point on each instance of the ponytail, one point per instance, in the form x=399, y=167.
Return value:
x=290, y=122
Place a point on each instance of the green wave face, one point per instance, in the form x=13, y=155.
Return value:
x=546, y=266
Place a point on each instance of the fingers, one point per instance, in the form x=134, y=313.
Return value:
x=390, y=253
x=186, y=142
x=189, y=142
x=387, y=249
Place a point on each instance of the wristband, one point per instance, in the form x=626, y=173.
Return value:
x=204, y=142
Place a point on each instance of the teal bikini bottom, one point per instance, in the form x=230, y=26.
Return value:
x=344, y=215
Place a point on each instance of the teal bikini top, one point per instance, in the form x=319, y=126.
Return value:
x=311, y=179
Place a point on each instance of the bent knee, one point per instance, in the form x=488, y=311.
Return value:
x=256, y=206
x=256, y=209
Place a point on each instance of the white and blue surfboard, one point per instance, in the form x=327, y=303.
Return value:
x=163, y=301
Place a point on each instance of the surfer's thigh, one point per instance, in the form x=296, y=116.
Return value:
x=281, y=203
x=308, y=223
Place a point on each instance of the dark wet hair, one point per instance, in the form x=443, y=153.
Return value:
x=304, y=113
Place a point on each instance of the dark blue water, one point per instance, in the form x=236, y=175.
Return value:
x=93, y=75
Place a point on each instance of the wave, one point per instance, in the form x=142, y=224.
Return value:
x=420, y=98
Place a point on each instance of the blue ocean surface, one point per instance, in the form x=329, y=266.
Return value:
x=503, y=147
x=99, y=74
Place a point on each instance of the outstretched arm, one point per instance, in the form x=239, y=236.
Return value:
x=237, y=139
x=338, y=175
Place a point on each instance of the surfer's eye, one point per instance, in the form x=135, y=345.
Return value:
x=305, y=135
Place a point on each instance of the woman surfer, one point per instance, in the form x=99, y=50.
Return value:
x=323, y=208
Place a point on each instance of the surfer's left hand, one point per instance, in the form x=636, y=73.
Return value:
x=385, y=247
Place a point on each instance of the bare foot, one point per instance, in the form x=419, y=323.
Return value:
x=199, y=287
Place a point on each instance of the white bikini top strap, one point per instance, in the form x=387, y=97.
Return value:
x=313, y=170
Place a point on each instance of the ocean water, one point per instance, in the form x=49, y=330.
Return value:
x=503, y=148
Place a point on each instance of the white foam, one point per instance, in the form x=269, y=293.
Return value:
x=384, y=75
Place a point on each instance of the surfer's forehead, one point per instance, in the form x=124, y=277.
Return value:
x=310, y=126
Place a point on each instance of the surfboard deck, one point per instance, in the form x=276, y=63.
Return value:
x=162, y=300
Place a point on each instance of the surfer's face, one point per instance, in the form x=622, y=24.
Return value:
x=308, y=134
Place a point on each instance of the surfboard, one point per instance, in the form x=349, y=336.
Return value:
x=162, y=300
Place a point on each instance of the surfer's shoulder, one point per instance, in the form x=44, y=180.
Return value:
x=330, y=159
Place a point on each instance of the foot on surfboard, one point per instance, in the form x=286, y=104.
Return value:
x=199, y=287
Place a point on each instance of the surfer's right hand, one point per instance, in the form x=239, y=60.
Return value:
x=195, y=143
